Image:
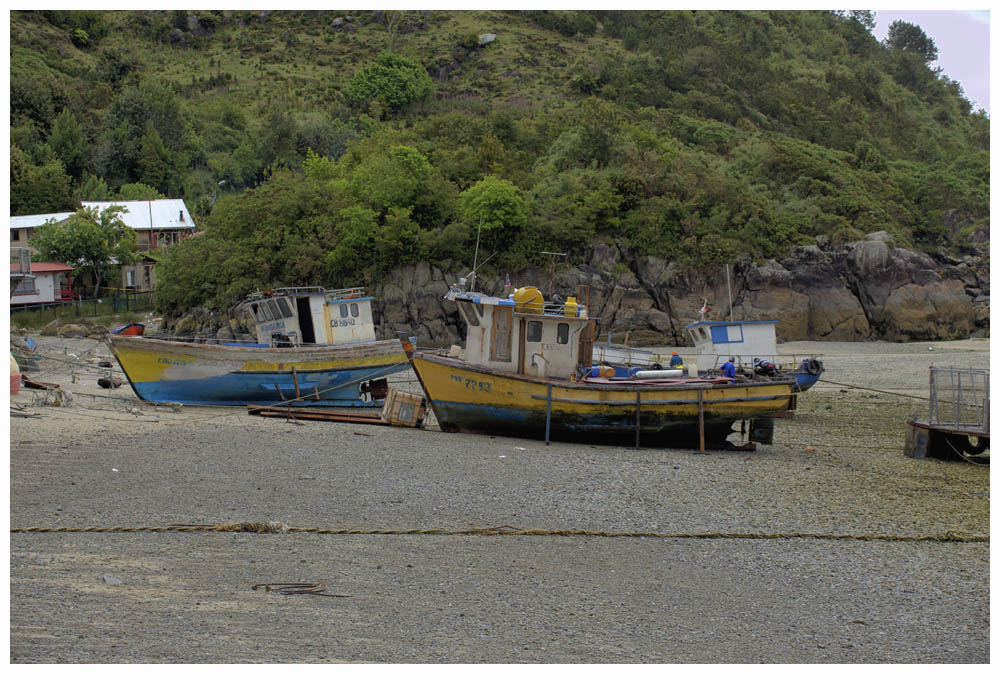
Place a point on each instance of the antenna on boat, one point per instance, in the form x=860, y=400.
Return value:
x=472, y=286
x=552, y=277
x=730, y=289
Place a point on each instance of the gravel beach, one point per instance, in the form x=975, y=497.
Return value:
x=172, y=596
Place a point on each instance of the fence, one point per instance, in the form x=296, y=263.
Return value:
x=122, y=301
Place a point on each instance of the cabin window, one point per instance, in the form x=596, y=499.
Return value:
x=354, y=309
x=286, y=311
x=562, y=333
x=264, y=309
x=470, y=315
x=343, y=311
x=256, y=311
x=274, y=309
x=534, y=332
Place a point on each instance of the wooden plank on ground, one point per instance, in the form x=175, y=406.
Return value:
x=317, y=414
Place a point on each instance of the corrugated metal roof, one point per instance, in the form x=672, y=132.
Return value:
x=165, y=213
x=42, y=267
x=32, y=221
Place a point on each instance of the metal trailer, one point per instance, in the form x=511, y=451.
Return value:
x=958, y=420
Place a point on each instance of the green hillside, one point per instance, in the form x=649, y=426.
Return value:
x=328, y=147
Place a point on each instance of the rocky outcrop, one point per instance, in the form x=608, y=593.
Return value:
x=865, y=290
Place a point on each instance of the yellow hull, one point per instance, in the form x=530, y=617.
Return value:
x=472, y=398
x=165, y=371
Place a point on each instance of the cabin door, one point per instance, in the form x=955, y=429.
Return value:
x=500, y=340
x=305, y=320
x=587, y=345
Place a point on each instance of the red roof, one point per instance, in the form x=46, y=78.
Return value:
x=43, y=267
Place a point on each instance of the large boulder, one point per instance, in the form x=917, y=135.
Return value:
x=73, y=330
x=903, y=294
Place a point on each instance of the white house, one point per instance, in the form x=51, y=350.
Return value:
x=51, y=283
x=157, y=223
x=22, y=227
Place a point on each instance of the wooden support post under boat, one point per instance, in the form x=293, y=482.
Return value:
x=638, y=409
x=548, y=414
x=295, y=380
x=701, y=421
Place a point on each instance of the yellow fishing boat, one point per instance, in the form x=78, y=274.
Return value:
x=526, y=371
x=314, y=347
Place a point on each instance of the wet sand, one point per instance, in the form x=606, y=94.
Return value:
x=171, y=596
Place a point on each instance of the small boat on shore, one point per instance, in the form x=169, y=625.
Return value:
x=753, y=346
x=314, y=348
x=527, y=371
x=130, y=329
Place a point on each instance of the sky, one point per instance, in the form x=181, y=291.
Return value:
x=962, y=39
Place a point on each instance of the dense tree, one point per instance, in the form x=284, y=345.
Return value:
x=903, y=36
x=392, y=81
x=70, y=143
x=92, y=241
x=39, y=189
x=139, y=192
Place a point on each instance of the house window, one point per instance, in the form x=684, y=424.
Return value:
x=130, y=278
x=15, y=235
x=562, y=333
x=26, y=287
x=166, y=238
x=534, y=331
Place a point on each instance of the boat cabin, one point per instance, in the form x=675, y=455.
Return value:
x=716, y=341
x=312, y=315
x=523, y=334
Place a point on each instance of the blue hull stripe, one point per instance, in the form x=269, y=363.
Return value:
x=336, y=387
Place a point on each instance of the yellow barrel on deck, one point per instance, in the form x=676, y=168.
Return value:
x=571, y=308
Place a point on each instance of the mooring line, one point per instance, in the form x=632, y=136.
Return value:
x=506, y=530
x=874, y=390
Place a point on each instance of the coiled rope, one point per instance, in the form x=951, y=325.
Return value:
x=506, y=530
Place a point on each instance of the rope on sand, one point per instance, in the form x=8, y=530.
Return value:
x=506, y=530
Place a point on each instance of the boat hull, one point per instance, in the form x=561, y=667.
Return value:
x=210, y=374
x=474, y=399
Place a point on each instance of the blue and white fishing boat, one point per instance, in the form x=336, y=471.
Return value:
x=753, y=347
x=314, y=347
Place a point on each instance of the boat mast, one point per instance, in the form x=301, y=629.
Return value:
x=730, y=289
x=472, y=286
x=552, y=276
